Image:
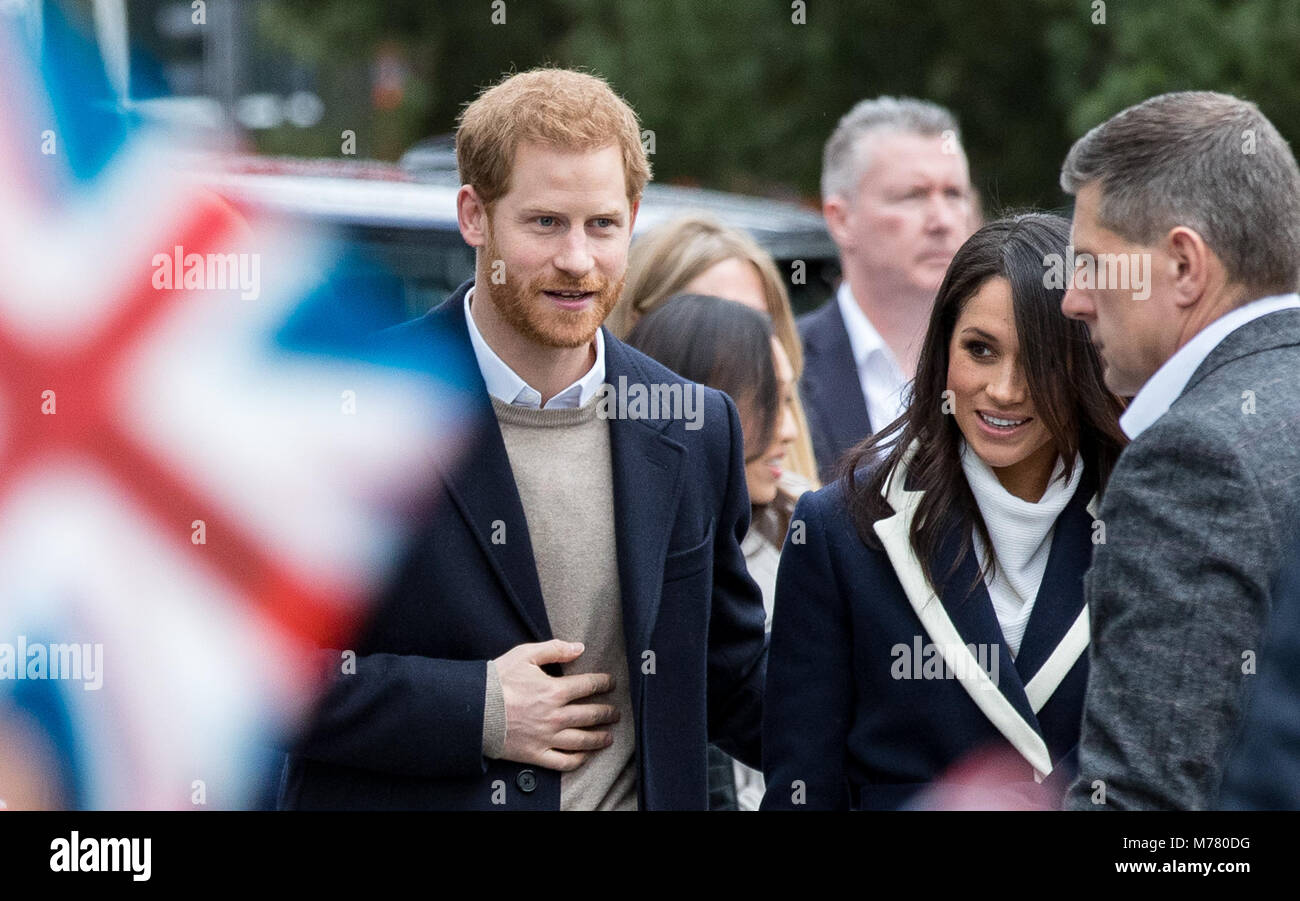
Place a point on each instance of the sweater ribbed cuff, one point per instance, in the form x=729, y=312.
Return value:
x=494, y=714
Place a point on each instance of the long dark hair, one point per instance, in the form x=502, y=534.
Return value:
x=722, y=344
x=1061, y=368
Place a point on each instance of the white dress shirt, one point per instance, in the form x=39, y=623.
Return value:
x=505, y=385
x=879, y=374
x=1162, y=389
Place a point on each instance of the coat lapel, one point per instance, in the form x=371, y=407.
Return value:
x=831, y=384
x=483, y=488
x=648, y=470
x=957, y=620
x=1057, y=632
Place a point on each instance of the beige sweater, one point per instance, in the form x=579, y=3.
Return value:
x=562, y=468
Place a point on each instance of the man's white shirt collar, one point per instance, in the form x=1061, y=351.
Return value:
x=863, y=337
x=879, y=375
x=1155, y=398
x=505, y=385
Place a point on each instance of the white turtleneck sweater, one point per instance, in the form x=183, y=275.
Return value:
x=1021, y=534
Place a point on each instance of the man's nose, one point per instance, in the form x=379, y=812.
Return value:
x=1075, y=304
x=575, y=258
x=945, y=214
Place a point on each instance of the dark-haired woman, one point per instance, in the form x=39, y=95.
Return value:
x=730, y=346
x=930, y=602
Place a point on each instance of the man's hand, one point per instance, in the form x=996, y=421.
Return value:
x=544, y=724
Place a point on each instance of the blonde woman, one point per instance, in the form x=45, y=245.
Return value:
x=698, y=255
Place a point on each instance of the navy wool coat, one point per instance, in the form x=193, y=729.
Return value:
x=405, y=731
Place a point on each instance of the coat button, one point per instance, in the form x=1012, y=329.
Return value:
x=526, y=780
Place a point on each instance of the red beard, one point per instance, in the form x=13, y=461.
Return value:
x=531, y=314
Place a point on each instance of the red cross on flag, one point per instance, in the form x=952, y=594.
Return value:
x=190, y=501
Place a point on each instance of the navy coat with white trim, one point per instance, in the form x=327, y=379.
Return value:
x=846, y=723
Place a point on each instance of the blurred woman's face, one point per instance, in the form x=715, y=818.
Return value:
x=762, y=474
x=990, y=397
x=731, y=279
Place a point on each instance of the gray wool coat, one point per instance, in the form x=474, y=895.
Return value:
x=1197, y=515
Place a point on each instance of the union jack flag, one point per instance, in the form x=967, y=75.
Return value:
x=200, y=482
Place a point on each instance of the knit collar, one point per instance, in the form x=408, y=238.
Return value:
x=1017, y=527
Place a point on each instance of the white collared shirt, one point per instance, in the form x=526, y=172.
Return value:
x=505, y=385
x=879, y=374
x=1155, y=398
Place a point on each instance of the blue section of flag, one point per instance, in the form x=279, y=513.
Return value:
x=44, y=702
x=343, y=315
x=89, y=124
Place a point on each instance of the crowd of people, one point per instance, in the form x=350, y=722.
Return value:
x=964, y=508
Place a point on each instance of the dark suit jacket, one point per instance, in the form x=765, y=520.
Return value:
x=830, y=388
x=854, y=719
x=1198, y=514
x=1263, y=772
x=406, y=730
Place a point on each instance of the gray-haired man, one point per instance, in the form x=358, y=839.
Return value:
x=896, y=195
x=1197, y=195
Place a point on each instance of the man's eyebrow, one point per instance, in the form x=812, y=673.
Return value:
x=529, y=213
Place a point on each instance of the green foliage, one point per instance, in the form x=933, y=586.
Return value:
x=1248, y=49
x=742, y=98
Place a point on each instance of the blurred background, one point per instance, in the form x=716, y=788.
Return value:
x=736, y=98
x=740, y=97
